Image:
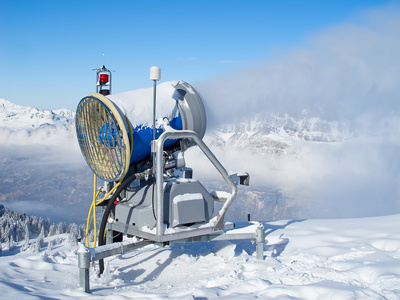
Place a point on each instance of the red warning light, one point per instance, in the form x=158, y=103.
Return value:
x=103, y=78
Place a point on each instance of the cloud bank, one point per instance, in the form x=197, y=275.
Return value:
x=349, y=74
x=346, y=71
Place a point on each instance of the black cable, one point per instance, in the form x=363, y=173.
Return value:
x=109, y=208
x=152, y=203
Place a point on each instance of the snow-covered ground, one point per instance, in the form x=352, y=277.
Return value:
x=304, y=259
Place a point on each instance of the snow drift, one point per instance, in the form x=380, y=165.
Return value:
x=304, y=259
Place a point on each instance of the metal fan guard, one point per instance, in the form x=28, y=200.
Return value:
x=102, y=137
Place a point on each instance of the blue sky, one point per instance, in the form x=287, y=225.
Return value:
x=49, y=48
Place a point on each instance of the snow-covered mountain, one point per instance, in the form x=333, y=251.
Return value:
x=16, y=117
x=273, y=134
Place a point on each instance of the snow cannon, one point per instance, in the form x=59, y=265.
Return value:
x=115, y=131
x=137, y=147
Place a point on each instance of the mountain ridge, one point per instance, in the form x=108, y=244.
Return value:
x=17, y=117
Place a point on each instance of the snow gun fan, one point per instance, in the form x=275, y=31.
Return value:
x=113, y=135
x=149, y=191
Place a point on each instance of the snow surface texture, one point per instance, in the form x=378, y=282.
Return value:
x=304, y=259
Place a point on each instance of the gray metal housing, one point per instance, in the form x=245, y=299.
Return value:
x=186, y=202
x=191, y=109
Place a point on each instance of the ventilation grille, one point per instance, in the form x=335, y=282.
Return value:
x=101, y=138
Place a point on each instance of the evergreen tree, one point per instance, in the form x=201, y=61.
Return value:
x=17, y=227
x=40, y=223
x=82, y=231
x=1, y=249
x=60, y=228
x=47, y=224
x=13, y=230
x=34, y=248
x=26, y=232
x=49, y=246
x=6, y=213
x=52, y=230
x=34, y=225
x=40, y=239
x=25, y=246
x=15, y=215
x=73, y=234
x=20, y=230
x=5, y=234
x=91, y=236
x=1, y=231
x=27, y=225
x=11, y=244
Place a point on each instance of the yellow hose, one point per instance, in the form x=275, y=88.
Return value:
x=109, y=193
x=93, y=207
x=87, y=225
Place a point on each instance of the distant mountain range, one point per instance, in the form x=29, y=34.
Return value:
x=16, y=117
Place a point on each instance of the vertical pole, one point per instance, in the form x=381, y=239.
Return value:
x=260, y=239
x=155, y=75
x=84, y=264
x=154, y=122
x=109, y=235
x=159, y=189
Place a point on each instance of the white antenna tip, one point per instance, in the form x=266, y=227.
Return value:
x=155, y=73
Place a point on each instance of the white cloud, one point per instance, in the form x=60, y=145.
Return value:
x=350, y=74
x=348, y=70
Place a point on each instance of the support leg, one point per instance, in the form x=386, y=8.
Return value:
x=260, y=239
x=84, y=264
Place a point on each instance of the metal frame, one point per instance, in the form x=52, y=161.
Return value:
x=98, y=71
x=213, y=226
x=86, y=256
x=214, y=230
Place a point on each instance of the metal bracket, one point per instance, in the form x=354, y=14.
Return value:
x=242, y=178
